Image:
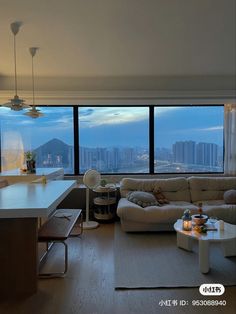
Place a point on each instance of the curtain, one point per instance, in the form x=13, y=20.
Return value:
x=230, y=139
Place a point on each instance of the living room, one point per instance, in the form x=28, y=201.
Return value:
x=131, y=90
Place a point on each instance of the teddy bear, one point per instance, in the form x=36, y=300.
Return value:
x=160, y=197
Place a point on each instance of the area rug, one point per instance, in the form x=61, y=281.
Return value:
x=152, y=260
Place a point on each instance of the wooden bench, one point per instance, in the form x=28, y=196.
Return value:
x=57, y=229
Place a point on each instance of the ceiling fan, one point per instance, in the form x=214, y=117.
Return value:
x=16, y=103
x=33, y=112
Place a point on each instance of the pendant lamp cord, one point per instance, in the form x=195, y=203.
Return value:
x=15, y=63
x=33, y=80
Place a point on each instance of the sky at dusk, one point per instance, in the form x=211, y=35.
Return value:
x=129, y=126
x=117, y=126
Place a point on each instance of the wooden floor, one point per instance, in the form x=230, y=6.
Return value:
x=88, y=287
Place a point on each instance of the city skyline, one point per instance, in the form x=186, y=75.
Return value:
x=184, y=156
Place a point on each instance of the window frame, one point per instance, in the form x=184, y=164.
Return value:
x=149, y=142
x=151, y=137
x=190, y=173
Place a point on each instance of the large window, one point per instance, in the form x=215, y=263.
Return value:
x=114, y=139
x=51, y=138
x=189, y=139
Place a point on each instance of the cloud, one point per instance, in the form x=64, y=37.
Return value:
x=26, y=122
x=66, y=119
x=56, y=110
x=161, y=111
x=85, y=121
x=114, y=115
x=196, y=130
x=85, y=112
x=213, y=128
x=7, y=112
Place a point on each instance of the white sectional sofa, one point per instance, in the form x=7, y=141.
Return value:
x=182, y=193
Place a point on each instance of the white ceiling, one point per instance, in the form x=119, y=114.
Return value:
x=120, y=38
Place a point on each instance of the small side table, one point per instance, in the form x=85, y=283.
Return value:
x=226, y=237
x=105, y=202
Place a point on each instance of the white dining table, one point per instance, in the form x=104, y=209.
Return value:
x=20, y=207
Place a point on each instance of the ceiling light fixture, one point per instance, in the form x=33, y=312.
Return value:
x=16, y=103
x=33, y=112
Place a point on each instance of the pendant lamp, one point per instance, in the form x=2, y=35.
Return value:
x=33, y=112
x=16, y=103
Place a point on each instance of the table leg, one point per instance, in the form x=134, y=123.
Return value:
x=204, y=256
x=184, y=242
x=18, y=257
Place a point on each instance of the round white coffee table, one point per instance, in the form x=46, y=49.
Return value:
x=226, y=237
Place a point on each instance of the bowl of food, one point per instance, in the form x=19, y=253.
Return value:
x=199, y=220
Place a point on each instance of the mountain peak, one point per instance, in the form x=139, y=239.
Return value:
x=53, y=145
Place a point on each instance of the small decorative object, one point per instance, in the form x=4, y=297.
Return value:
x=221, y=224
x=160, y=197
x=200, y=219
x=23, y=169
x=103, y=182
x=200, y=211
x=213, y=220
x=187, y=220
x=44, y=179
x=30, y=162
x=200, y=229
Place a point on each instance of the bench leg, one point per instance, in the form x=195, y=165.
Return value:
x=57, y=274
x=49, y=245
x=78, y=223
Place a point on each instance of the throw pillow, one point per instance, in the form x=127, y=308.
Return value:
x=160, y=197
x=142, y=199
x=230, y=197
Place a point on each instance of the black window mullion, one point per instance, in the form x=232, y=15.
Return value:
x=76, y=139
x=151, y=139
x=0, y=150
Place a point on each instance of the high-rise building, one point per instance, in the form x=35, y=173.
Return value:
x=184, y=152
x=189, y=152
x=207, y=154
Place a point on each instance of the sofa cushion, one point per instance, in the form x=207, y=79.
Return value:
x=174, y=189
x=226, y=212
x=210, y=188
x=142, y=199
x=167, y=213
x=230, y=197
